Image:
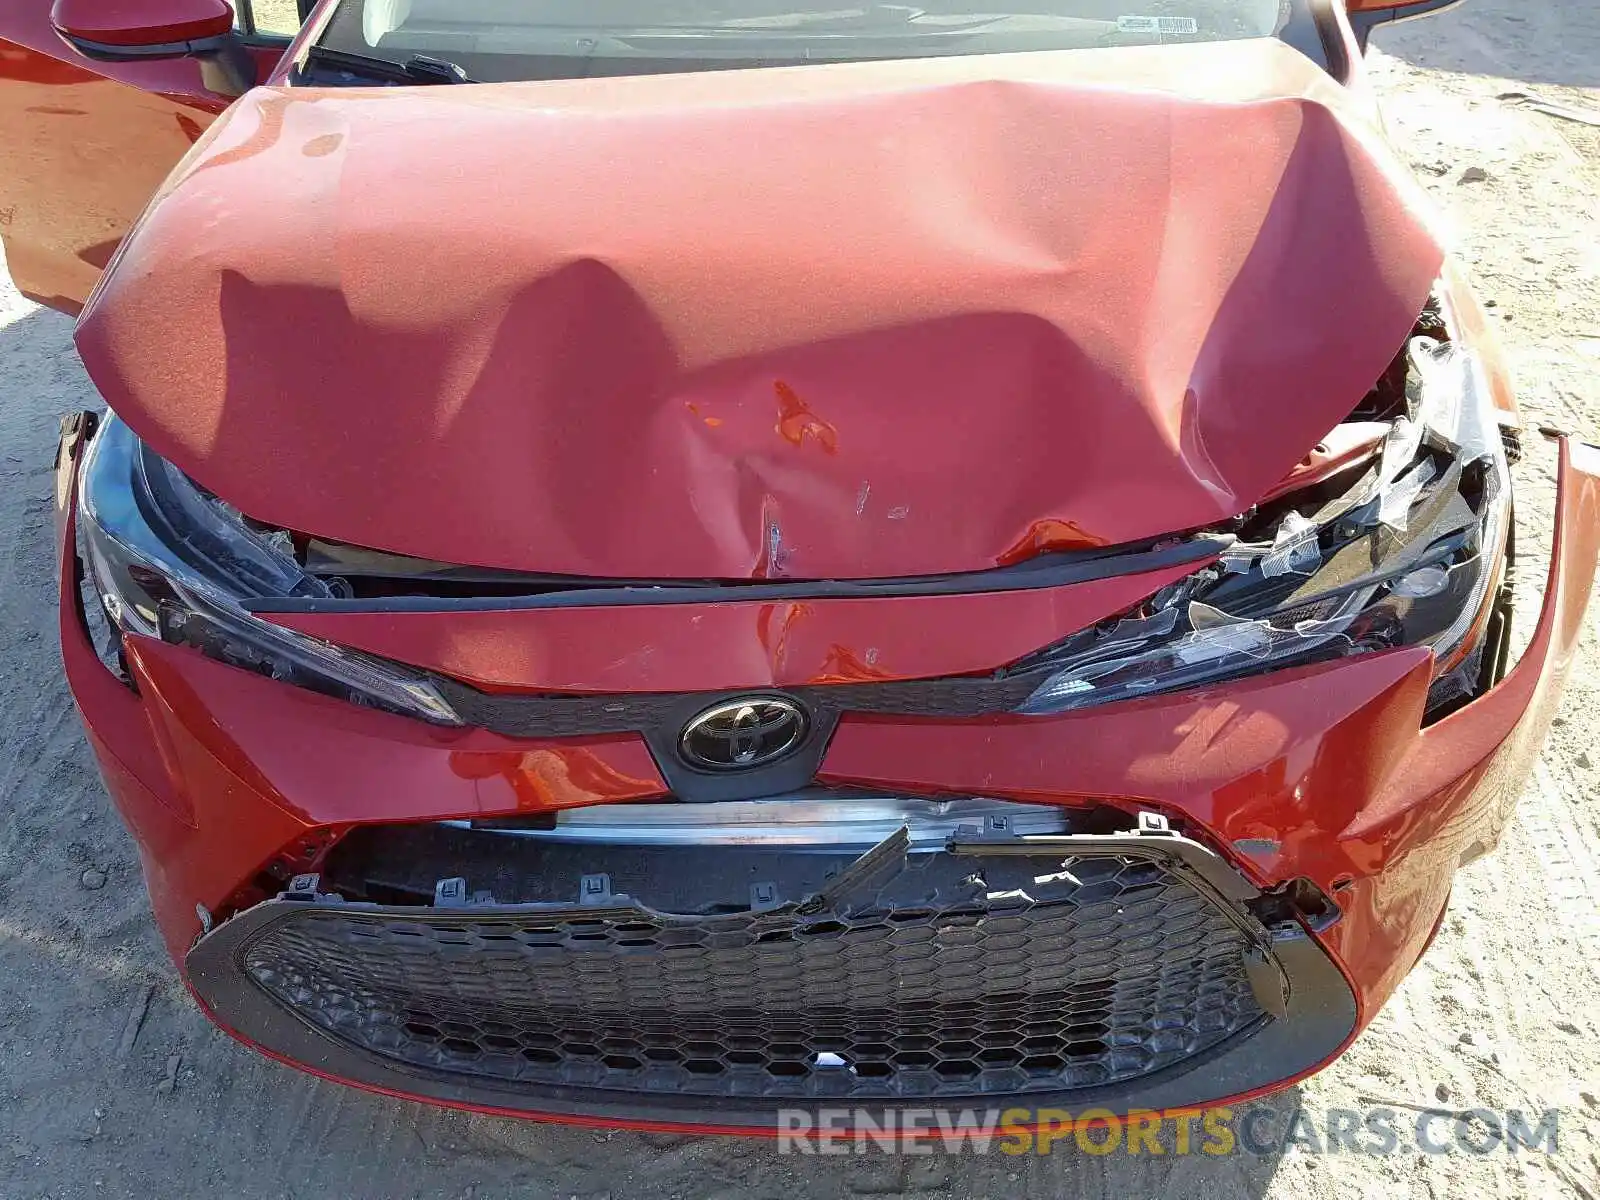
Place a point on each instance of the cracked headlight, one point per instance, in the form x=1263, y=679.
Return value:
x=1411, y=555
x=171, y=561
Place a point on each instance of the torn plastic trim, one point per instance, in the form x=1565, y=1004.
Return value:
x=1262, y=917
x=1153, y=840
x=1449, y=409
x=1278, y=913
x=1295, y=549
x=597, y=900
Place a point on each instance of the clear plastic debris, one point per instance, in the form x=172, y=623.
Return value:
x=1295, y=550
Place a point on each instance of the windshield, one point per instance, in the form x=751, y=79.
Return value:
x=559, y=39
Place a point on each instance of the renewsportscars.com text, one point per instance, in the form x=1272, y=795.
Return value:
x=1216, y=1131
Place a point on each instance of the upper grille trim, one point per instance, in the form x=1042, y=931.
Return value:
x=557, y=715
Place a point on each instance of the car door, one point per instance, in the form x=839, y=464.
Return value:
x=84, y=144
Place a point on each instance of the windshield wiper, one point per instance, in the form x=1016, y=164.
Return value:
x=419, y=68
x=425, y=68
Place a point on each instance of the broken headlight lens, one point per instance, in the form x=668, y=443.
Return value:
x=171, y=561
x=1411, y=555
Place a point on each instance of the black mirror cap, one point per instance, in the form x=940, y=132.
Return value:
x=226, y=67
x=1363, y=23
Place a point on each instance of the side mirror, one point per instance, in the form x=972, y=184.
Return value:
x=143, y=30
x=1400, y=9
x=1367, y=15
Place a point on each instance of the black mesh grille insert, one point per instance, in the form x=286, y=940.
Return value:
x=1044, y=976
x=555, y=715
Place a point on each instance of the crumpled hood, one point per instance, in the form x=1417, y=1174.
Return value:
x=847, y=321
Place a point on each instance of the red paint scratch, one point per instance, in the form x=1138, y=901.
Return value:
x=796, y=421
x=846, y=665
x=1047, y=535
x=713, y=422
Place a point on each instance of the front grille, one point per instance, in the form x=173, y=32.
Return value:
x=540, y=714
x=957, y=976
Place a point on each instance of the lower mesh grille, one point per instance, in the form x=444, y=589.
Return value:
x=955, y=978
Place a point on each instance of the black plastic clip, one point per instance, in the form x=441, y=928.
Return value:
x=451, y=893
x=595, y=889
x=1154, y=825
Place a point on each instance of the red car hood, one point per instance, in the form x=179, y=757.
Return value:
x=847, y=321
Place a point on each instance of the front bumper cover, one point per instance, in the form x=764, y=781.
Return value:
x=1151, y=978
x=232, y=784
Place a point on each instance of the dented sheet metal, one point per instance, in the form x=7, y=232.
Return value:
x=827, y=322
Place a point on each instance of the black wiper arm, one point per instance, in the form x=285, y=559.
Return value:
x=419, y=68
x=425, y=68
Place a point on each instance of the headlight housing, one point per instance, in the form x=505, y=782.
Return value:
x=1410, y=555
x=169, y=560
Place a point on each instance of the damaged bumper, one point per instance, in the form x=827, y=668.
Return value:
x=1124, y=971
x=1147, y=969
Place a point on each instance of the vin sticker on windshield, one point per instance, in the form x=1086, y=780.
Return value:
x=1159, y=26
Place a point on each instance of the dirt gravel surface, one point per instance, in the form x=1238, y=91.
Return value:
x=112, y=1084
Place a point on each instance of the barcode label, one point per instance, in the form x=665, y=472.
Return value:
x=1161, y=26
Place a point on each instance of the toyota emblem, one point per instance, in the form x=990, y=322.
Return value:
x=743, y=734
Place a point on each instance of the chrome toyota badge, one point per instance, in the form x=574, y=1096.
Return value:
x=743, y=734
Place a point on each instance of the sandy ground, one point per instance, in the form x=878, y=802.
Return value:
x=1501, y=1014
x=276, y=16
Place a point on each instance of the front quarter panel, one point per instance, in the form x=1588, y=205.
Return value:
x=1324, y=773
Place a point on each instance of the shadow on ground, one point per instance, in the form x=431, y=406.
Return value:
x=1533, y=41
